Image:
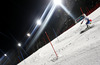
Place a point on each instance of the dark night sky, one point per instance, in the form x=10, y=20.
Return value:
x=16, y=18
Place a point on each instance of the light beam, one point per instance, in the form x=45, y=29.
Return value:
x=43, y=26
x=42, y=17
x=67, y=11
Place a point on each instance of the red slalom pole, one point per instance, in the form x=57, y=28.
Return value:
x=81, y=10
x=18, y=60
x=51, y=44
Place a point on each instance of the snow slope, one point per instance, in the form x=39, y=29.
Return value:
x=72, y=48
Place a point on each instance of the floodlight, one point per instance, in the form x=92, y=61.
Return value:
x=28, y=34
x=19, y=44
x=5, y=55
x=57, y=2
x=38, y=22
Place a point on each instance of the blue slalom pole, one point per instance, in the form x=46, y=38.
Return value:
x=24, y=51
x=55, y=34
x=22, y=55
x=19, y=58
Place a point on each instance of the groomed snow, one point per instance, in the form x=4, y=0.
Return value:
x=72, y=48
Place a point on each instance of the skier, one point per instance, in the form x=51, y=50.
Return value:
x=87, y=21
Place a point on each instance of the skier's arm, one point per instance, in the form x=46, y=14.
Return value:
x=82, y=21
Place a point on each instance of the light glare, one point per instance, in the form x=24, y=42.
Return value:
x=5, y=54
x=57, y=2
x=38, y=22
x=67, y=11
x=19, y=44
x=28, y=34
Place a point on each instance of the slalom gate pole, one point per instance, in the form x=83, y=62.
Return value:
x=51, y=44
x=81, y=10
x=19, y=59
x=55, y=34
x=88, y=10
x=22, y=55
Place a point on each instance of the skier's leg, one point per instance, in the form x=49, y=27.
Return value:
x=87, y=26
